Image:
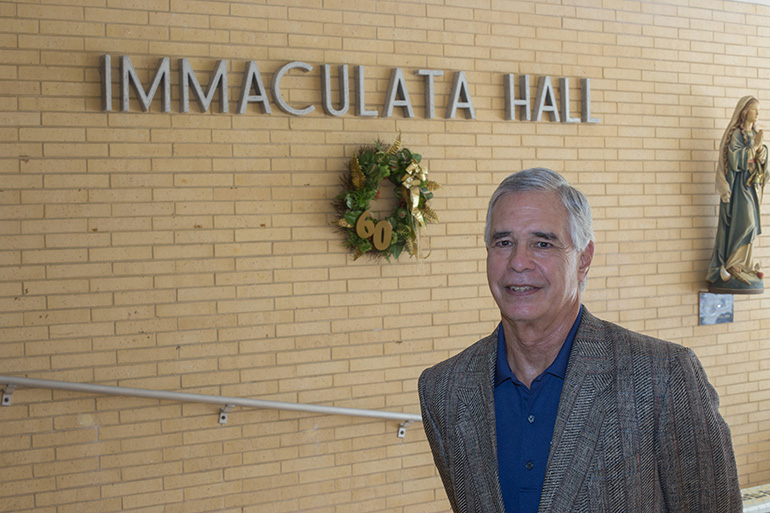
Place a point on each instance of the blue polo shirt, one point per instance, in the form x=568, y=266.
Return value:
x=525, y=418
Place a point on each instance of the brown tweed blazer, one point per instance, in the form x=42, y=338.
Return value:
x=637, y=430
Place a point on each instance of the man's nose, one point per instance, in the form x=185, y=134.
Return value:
x=520, y=259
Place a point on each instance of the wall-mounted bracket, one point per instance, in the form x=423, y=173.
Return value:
x=402, y=428
x=7, y=393
x=224, y=411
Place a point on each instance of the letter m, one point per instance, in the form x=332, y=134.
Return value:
x=219, y=80
x=128, y=77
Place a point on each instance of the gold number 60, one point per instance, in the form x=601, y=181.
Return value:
x=381, y=233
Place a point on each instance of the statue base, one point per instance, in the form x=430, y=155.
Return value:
x=732, y=286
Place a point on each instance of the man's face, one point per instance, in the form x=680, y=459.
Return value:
x=534, y=272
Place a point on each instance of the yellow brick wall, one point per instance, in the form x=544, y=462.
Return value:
x=194, y=251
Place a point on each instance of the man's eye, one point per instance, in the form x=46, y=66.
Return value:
x=503, y=243
x=543, y=245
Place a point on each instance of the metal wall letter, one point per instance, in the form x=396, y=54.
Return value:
x=275, y=87
x=250, y=76
x=511, y=101
x=429, y=104
x=397, y=84
x=586, y=97
x=326, y=92
x=106, y=75
x=460, y=88
x=129, y=76
x=545, y=91
x=361, y=94
x=564, y=102
x=187, y=75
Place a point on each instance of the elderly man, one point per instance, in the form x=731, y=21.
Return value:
x=558, y=411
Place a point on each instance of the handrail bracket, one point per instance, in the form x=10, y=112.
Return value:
x=402, y=428
x=224, y=411
x=7, y=393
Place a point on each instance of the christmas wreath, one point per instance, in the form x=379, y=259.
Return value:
x=367, y=172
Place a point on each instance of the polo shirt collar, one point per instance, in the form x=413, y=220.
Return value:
x=559, y=366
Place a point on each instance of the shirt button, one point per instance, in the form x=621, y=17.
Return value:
x=531, y=419
x=529, y=465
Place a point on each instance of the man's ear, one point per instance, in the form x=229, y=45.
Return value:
x=586, y=257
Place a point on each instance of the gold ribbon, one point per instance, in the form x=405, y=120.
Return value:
x=410, y=183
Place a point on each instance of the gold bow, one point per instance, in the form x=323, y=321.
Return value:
x=410, y=183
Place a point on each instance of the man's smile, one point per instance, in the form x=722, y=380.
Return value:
x=520, y=288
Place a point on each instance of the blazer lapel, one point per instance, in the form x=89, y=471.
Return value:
x=579, y=418
x=475, y=427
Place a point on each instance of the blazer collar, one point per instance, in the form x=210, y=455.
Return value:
x=580, y=415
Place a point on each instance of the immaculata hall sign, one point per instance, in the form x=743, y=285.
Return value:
x=397, y=96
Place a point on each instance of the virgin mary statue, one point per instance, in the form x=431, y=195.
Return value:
x=741, y=176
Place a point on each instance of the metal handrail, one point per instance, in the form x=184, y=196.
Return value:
x=229, y=403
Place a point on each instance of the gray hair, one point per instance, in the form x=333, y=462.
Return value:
x=544, y=180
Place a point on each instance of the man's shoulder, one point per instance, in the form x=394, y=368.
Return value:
x=474, y=358
x=611, y=337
